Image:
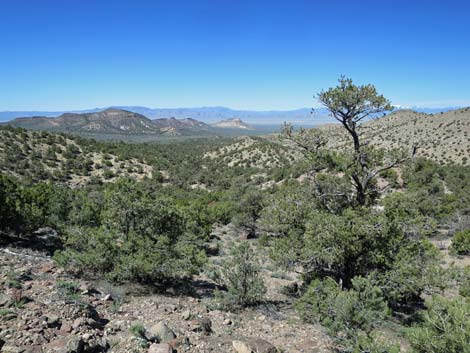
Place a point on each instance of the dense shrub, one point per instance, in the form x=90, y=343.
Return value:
x=445, y=327
x=142, y=236
x=343, y=246
x=288, y=209
x=24, y=209
x=350, y=315
x=414, y=270
x=464, y=282
x=10, y=218
x=461, y=243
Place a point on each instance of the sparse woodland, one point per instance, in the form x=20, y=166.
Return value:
x=375, y=241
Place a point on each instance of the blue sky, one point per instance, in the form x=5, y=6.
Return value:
x=76, y=54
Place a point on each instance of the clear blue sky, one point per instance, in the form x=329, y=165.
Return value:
x=74, y=54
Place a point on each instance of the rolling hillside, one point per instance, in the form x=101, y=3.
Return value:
x=46, y=156
x=441, y=137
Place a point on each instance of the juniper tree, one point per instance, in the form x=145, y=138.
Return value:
x=350, y=104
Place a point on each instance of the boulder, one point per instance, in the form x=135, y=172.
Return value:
x=186, y=315
x=253, y=345
x=205, y=325
x=74, y=345
x=53, y=321
x=70, y=344
x=179, y=342
x=5, y=300
x=160, y=348
x=12, y=349
x=161, y=332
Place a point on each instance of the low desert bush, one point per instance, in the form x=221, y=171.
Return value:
x=461, y=243
x=241, y=275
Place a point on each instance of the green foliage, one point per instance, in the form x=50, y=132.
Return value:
x=88, y=250
x=350, y=104
x=444, y=327
x=347, y=98
x=68, y=290
x=359, y=243
x=464, y=281
x=142, y=236
x=350, y=316
x=10, y=218
x=464, y=289
x=346, y=246
x=287, y=210
x=242, y=277
x=247, y=207
x=461, y=243
x=137, y=329
x=414, y=270
x=437, y=192
x=13, y=280
x=25, y=209
x=404, y=209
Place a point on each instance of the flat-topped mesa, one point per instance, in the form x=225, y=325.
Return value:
x=235, y=123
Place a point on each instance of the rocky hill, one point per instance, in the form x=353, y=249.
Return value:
x=442, y=137
x=111, y=122
x=107, y=121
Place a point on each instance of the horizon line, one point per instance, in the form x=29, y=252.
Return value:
x=396, y=106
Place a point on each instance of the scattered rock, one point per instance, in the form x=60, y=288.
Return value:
x=186, y=315
x=5, y=300
x=253, y=345
x=179, y=342
x=74, y=345
x=205, y=326
x=12, y=349
x=160, y=348
x=70, y=344
x=162, y=332
x=107, y=297
x=53, y=321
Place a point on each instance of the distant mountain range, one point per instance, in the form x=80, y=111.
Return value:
x=208, y=115
x=123, y=123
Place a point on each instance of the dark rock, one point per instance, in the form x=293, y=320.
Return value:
x=205, y=325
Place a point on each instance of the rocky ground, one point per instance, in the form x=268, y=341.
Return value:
x=42, y=309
